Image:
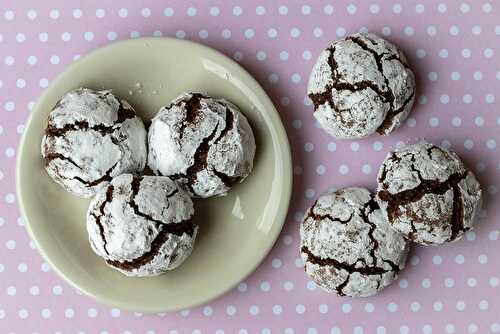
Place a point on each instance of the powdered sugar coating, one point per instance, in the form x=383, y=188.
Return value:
x=91, y=137
x=359, y=85
x=205, y=144
x=428, y=194
x=347, y=245
x=142, y=226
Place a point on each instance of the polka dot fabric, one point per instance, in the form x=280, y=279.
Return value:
x=453, y=49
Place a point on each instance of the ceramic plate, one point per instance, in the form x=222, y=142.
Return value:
x=236, y=231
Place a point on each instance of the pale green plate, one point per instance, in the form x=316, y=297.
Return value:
x=236, y=231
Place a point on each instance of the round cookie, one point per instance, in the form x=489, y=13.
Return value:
x=141, y=225
x=205, y=144
x=90, y=138
x=360, y=85
x=429, y=195
x=347, y=245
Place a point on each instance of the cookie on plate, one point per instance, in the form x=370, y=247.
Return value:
x=347, y=245
x=204, y=143
x=360, y=85
x=141, y=225
x=428, y=194
x=91, y=137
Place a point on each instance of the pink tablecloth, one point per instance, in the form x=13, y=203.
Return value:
x=453, y=47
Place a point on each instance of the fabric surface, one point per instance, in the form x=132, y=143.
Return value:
x=452, y=47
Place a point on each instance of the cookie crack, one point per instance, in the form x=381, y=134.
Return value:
x=395, y=201
x=192, y=107
x=200, y=161
x=226, y=179
x=108, y=199
x=163, y=235
x=391, y=114
x=367, y=209
x=228, y=127
x=350, y=268
x=342, y=285
x=318, y=217
x=58, y=156
x=105, y=178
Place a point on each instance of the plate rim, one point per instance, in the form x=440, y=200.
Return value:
x=286, y=172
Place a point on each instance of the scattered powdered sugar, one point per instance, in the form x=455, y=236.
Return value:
x=91, y=137
x=205, y=144
x=428, y=193
x=347, y=245
x=142, y=225
x=359, y=85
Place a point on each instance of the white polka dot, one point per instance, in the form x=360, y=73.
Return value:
x=489, y=98
x=249, y=33
x=254, y=310
x=34, y=290
x=237, y=11
x=369, y=307
x=374, y=9
x=343, y=169
x=363, y=30
x=476, y=30
x=421, y=53
x=260, y=10
x=295, y=32
x=392, y=307
x=443, y=53
x=479, y=121
x=449, y=282
x=9, y=15
x=470, y=235
x=272, y=33
x=415, y=306
x=377, y=146
x=9, y=60
x=427, y=329
x=265, y=286
x=323, y=308
x=54, y=59
x=9, y=106
x=168, y=11
x=366, y=169
x=11, y=290
x=431, y=30
x=214, y=11
x=397, y=8
x=226, y=33
x=285, y=101
x=346, y=308
x=409, y=31
x=454, y=30
x=459, y=259
x=10, y=244
x=89, y=35
x=437, y=306
x=296, y=78
x=123, y=12
x=287, y=240
x=493, y=281
x=471, y=282
x=32, y=14
x=306, y=9
x=433, y=76
x=208, y=311
x=146, y=12
x=77, y=13
x=203, y=34
x=434, y=122
x=22, y=267
x=242, y=287
x=465, y=8
x=351, y=9
x=111, y=35
x=308, y=147
x=283, y=10
x=328, y=9
x=444, y=99
x=239, y=56
x=450, y=328
x=358, y=330
x=46, y=313
x=277, y=309
x=419, y=8
x=483, y=259
x=468, y=144
x=32, y=60
x=231, y=310
x=488, y=53
x=466, y=53
x=320, y=169
x=403, y=283
x=20, y=37
x=23, y=313
x=426, y=283
x=386, y=31
x=288, y=286
x=57, y=290
x=483, y=305
x=414, y=260
x=460, y=305
x=455, y=76
x=54, y=14
x=340, y=31
x=92, y=312
x=318, y=32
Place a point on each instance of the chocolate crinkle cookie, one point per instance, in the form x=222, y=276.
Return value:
x=141, y=225
x=204, y=143
x=91, y=137
x=428, y=194
x=348, y=246
x=360, y=85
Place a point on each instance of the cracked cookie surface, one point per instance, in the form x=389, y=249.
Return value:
x=141, y=225
x=204, y=143
x=428, y=194
x=90, y=138
x=360, y=85
x=347, y=245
